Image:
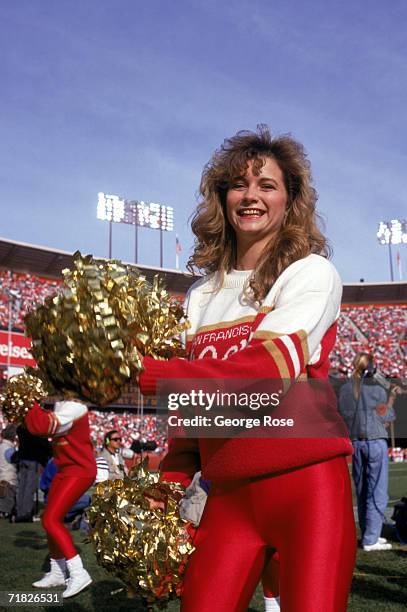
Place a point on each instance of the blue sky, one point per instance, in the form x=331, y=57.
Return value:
x=132, y=97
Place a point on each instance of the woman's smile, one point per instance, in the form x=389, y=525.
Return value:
x=256, y=203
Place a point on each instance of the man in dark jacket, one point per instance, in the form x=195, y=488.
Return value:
x=32, y=452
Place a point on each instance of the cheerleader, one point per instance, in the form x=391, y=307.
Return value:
x=266, y=308
x=68, y=426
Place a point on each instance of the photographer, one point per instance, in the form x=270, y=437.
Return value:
x=367, y=412
x=115, y=455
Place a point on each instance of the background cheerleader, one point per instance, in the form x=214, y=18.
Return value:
x=68, y=426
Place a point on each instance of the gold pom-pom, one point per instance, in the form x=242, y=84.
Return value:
x=146, y=548
x=19, y=395
x=157, y=321
x=87, y=339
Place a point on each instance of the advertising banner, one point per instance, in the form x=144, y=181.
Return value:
x=19, y=349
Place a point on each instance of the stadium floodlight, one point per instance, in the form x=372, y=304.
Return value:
x=114, y=209
x=154, y=216
x=110, y=208
x=392, y=232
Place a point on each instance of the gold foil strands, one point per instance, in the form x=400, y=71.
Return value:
x=146, y=548
x=19, y=395
x=157, y=321
x=87, y=339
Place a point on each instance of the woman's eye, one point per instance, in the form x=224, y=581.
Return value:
x=269, y=186
x=237, y=186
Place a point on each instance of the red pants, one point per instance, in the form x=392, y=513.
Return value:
x=305, y=514
x=63, y=493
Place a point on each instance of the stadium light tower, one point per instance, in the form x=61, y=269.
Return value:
x=114, y=209
x=392, y=232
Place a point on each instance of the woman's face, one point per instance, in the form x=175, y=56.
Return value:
x=255, y=205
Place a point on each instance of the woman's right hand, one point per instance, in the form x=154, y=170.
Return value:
x=155, y=503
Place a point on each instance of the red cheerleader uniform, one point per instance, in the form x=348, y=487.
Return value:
x=68, y=426
x=293, y=494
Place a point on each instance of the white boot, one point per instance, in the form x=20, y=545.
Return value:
x=55, y=577
x=78, y=577
x=272, y=604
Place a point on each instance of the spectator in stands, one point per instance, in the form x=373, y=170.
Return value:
x=8, y=471
x=30, y=290
x=373, y=328
x=366, y=410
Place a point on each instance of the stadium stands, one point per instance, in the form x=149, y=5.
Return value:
x=132, y=426
x=379, y=329
x=28, y=290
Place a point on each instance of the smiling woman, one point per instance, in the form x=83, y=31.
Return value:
x=256, y=205
x=266, y=309
x=275, y=175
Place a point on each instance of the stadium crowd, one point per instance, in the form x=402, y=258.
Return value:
x=28, y=291
x=377, y=328
x=146, y=428
x=131, y=426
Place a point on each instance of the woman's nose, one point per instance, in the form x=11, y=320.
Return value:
x=250, y=194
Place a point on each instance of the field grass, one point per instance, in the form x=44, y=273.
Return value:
x=379, y=583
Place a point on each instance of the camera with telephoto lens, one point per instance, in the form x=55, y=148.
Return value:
x=143, y=447
x=388, y=383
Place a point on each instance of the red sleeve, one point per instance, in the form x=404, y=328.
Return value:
x=286, y=338
x=183, y=460
x=272, y=360
x=41, y=422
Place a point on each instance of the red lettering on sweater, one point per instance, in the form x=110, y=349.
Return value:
x=220, y=343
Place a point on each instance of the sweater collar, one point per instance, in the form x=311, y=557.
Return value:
x=236, y=279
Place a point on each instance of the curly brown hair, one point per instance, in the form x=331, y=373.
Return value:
x=215, y=242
